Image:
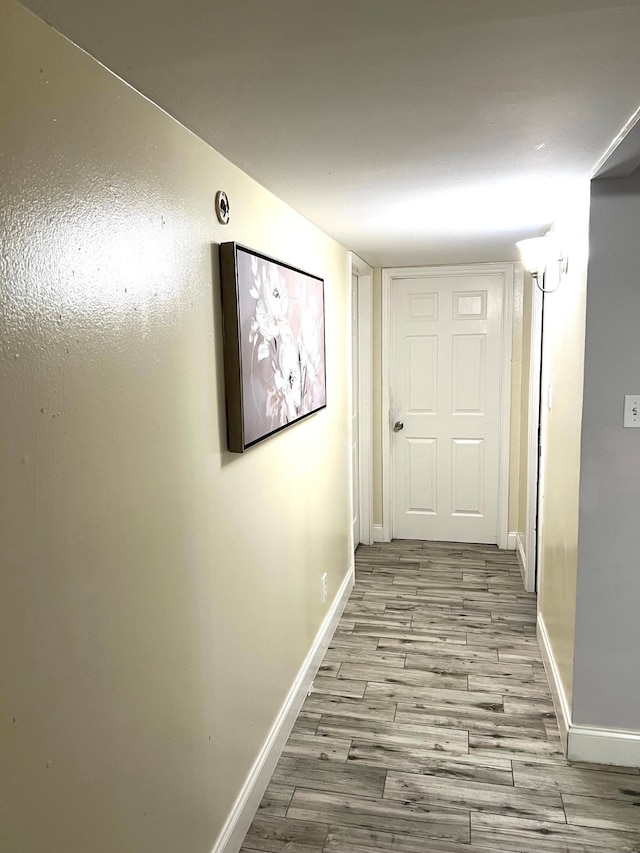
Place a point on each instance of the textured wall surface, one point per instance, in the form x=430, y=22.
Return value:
x=158, y=594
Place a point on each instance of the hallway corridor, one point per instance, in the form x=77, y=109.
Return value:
x=430, y=728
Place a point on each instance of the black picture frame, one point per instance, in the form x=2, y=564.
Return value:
x=273, y=317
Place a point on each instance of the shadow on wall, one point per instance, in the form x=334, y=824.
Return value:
x=216, y=301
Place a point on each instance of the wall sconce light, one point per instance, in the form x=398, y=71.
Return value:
x=542, y=254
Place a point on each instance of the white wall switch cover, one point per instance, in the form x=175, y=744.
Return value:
x=631, y=410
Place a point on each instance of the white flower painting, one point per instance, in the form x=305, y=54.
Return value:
x=282, y=344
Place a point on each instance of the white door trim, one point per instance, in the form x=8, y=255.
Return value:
x=507, y=270
x=363, y=271
x=533, y=457
x=505, y=402
x=385, y=425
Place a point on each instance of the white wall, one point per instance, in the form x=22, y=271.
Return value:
x=159, y=594
x=607, y=650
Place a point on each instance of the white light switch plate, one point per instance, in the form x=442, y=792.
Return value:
x=631, y=410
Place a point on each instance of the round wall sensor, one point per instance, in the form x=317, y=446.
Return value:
x=222, y=207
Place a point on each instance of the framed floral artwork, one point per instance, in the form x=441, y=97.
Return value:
x=274, y=347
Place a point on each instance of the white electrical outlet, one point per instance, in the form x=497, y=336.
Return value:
x=325, y=587
x=631, y=410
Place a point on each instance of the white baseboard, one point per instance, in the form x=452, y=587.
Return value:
x=522, y=558
x=378, y=533
x=585, y=743
x=555, y=683
x=236, y=826
x=604, y=746
x=511, y=541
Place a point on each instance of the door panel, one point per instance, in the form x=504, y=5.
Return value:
x=468, y=374
x=467, y=477
x=470, y=306
x=422, y=480
x=421, y=307
x=445, y=388
x=422, y=373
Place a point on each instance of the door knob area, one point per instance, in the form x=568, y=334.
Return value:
x=398, y=426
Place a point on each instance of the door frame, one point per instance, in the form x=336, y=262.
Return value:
x=364, y=274
x=530, y=559
x=507, y=270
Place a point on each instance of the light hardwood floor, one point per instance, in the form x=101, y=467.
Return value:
x=430, y=728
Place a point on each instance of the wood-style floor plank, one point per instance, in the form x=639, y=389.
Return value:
x=404, y=677
x=509, y=834
x=376, y=658
x=604, y=814
x=430, y=727
x=329, y=685
x=329, y=776
x=457, y=665
x=492, y=723
x=437, y=738
x=347, y=839
x=481, y=796
x=578, y=780
x=317, y=746
x=429, y=762
x=402, y=818
x=277, y=835
x=276, y=799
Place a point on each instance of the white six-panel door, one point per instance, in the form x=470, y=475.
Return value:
x=446, y=348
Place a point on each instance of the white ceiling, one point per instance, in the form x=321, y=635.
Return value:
x=412, y=131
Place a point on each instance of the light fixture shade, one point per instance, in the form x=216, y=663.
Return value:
x=534, y=253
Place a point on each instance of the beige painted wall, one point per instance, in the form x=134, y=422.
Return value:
x=159, y=594
x=563, y=369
